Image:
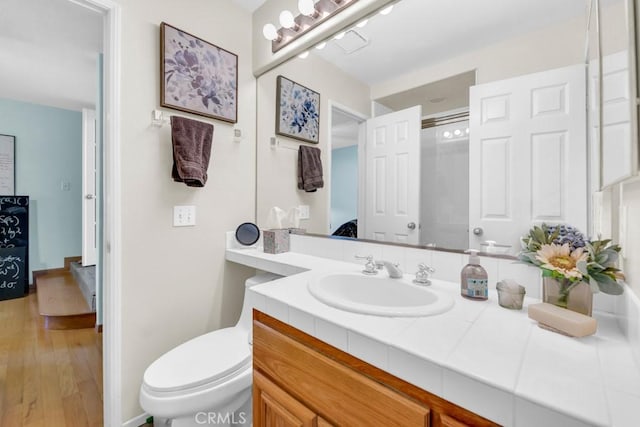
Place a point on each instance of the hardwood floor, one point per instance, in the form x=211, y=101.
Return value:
x=47, y=377
x=61, y=302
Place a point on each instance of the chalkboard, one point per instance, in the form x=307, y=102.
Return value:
x=12, y=272
x=7, y=165
x=14, y=230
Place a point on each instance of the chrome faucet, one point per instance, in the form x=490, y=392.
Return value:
x=392, y=268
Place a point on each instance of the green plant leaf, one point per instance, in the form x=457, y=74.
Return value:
x=607, y=284
x=582, y=267
x=594, y=285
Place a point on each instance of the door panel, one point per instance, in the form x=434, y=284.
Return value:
x=392, y=177
x=527, y=155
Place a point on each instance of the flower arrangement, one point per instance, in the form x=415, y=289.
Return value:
x=563, y=253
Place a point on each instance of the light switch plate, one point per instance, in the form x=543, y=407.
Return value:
x=304, y=211
x=184, y=216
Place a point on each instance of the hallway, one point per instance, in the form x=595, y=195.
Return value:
x=47, y=377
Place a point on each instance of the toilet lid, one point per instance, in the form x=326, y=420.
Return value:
x=199, y=361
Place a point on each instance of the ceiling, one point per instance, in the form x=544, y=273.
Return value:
x=250, y=5
x=49, y=52
x=418, y=33
x=443, y=95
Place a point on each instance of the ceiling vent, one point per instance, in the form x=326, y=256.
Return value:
x=352, y=41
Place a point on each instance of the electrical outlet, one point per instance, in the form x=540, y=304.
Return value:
x=304, y=211
x=184, y=216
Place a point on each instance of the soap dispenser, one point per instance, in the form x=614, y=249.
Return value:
x=474, y=281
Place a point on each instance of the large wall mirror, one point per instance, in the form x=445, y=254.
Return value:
x=449, y=124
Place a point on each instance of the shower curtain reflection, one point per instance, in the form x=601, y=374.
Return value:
x=444, y=207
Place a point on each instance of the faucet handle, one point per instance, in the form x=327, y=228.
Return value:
x=423, y=273
x=370, y=266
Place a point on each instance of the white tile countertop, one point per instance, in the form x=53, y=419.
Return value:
x=495, y=362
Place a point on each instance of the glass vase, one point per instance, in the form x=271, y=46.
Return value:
x=566, y=294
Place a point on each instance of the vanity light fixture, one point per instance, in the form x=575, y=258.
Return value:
x=270, y=32
x=304, y=54
x=312, y=14
x=287, y=20
x=362, y=23
x=307, y=7
x=340, y=35
x=321, y=45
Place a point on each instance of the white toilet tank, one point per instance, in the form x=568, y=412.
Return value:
x=247, y=306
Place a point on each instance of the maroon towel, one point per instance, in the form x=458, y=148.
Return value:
x=309, y=169
x=192, y=141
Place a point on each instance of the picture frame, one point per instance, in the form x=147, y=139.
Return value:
x=297, y=111
x=197, y=76
x=7, y=165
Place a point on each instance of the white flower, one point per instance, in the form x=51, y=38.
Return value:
x=560, y=258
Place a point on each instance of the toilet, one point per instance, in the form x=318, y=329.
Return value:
x=206, y=380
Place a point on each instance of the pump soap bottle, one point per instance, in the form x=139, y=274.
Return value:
x=474, y=281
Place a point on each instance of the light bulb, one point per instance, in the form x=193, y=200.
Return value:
x=362, y=23
x=387, y=10
x=321, y=45
x=457, y=132
x=306, y=7
x=340, y=35
x=269, y=32
x=466, y=131
x=286, y=19
x=446, y=134
x=304, y=54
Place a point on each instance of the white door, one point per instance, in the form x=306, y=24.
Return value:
x=88, y=187
x=392, y=177
x=527, y=155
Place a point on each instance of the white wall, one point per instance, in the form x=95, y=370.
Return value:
x=277, y=169
x=175, y=282
x=630, y=232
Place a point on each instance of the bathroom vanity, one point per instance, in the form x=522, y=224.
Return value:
x=302, y=381
x=475, y=364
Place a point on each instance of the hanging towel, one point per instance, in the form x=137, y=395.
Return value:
x=192, y=141
x=309, y=169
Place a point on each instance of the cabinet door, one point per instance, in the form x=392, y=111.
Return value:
x=273, y=407
x=447, y=421
x=340, y=394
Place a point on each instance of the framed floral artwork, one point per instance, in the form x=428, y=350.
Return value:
x=297, y=111
x=196, y=76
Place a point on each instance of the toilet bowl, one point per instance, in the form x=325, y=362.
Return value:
x=206, y=380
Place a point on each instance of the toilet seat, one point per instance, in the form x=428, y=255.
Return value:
x=217, y=356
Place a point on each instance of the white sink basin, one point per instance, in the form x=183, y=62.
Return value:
x=378, y=295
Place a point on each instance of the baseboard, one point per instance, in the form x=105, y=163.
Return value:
x=136, y=421
x=99, y=329
x=68, y=260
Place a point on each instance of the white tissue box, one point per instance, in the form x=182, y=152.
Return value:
x=275, y=241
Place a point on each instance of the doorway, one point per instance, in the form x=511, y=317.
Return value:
x=109, y=14
x=346, y=133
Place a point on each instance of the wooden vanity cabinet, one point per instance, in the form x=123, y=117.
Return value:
x=302, y=381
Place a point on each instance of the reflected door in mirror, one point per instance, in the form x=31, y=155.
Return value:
x=392, y=178
x=527, y=154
